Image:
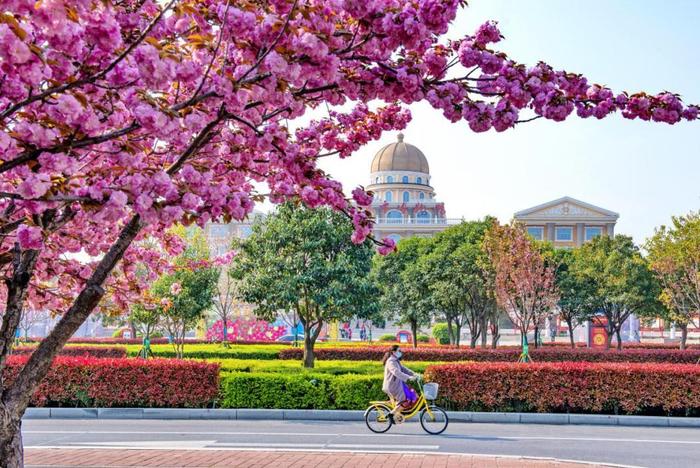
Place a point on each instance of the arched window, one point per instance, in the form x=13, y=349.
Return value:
x=421, y=196
x=406, y=197
x=423, y=217
x=404, y=179
x=376, y=181
x=388, y=197
x=394, y=217
x=390, y=179
x=419, y=180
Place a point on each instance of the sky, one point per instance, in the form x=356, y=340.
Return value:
x=646, y=172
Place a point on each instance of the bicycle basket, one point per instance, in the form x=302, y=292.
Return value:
x=430, y=390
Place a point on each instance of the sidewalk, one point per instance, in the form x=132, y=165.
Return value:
x=255, y=459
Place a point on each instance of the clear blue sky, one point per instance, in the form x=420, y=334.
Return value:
x=646, y=172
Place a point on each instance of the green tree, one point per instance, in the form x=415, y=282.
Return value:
x=674, y=255
x=622, y=283
x=458, y=283
x=304, y=260
x=405, y=295
x=576, y=292
x=182, y=297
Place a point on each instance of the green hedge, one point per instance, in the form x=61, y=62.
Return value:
x=303, y=391
x=211, y=351
x=322, y=367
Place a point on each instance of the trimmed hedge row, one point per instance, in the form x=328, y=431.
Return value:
x=300, y=391
x=210, y=351
x=85, y=351
x=90, y=382
x=553, y=354
x=575, y=387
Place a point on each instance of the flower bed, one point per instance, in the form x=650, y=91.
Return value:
x=88, y=382
x=631, y=388
x=85, y=351
x=552, y=354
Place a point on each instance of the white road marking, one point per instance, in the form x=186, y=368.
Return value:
x=139, y=444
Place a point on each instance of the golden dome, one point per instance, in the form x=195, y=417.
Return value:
x=400, y=156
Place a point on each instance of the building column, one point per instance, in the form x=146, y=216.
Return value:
x=550, y=231
x=579, y=234
x=611, y=229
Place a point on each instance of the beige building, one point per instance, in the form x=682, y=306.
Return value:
x=404, y=201
x=567, y=222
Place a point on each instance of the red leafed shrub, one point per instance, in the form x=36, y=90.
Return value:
x=85, y=351
x=551, y=354
x=83, y=381
x=576, y=387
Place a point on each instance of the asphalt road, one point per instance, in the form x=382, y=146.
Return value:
x=632, y=446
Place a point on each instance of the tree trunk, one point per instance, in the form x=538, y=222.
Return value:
x=458, y=334
x=132, y=327
x=474, y=338
x=495, y=333
x=225, y=335
x=619, y=338
x=608, y=341
x=11, y=450
x=537, y=336
x=310, y=336
x=484, y=334
x=684, y=335
x=414, y=332
x=569, y=323
x=450, y=332
x=523, y=337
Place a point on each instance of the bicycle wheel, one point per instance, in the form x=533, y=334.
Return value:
x=436, y=423
x=377, y=419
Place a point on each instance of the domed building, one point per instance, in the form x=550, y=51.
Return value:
x=404, y=201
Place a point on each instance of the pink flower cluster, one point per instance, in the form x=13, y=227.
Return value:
x=119, y=114
x=242, y=329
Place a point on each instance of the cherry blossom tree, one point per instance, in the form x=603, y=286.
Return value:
x=525, y=285
x=118, y=119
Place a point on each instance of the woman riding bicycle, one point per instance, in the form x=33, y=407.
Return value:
x=395, y=378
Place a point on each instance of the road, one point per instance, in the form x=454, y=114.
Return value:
x=635, y=446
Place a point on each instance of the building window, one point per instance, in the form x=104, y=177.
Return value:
x=404, y=179
x=536, y=232
x=388, y=197
x=376, y=181
x=421, y=196
x=390, y=179
x=592, y=232
x=564, y=233
x=419, y=180
x=394, y=217
x=406, y=197
x=423, y=217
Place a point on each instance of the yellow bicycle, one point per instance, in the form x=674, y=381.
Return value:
x=380, y=416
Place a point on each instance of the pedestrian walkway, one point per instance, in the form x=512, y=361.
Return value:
x=102, y=458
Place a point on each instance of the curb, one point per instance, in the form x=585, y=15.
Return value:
x=344, y=415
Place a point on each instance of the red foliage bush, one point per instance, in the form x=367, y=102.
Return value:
x=570, y=387
x=83, y=381
x=552, y=354
x=85, y=351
